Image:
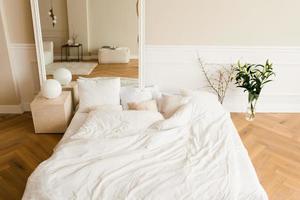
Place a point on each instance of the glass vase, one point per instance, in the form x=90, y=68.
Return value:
x=251, y=110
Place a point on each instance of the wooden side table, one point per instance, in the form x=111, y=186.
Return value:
x=52, y=115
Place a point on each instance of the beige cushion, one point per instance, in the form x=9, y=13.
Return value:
x=132, y=94
x=168, y=105
x=145, y=105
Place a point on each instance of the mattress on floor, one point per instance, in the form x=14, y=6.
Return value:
x=205, y=159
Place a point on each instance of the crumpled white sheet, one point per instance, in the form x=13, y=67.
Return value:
x=132, y=155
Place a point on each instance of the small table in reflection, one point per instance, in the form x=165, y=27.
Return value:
x=67, y=48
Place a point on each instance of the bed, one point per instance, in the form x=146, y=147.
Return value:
x=113, y=154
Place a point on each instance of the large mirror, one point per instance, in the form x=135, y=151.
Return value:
x=90, y=38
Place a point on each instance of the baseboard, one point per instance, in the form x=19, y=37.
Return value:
x=11, y=109
x=279, y=103
x=92, y=57
x=58, y=58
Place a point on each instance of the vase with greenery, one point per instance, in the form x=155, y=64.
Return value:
x=252, y=78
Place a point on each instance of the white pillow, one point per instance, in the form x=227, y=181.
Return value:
x=156, y=94
x=169, y=104
x=134, y=95
x=97, y=92
x=181, y=117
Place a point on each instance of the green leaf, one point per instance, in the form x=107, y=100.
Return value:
x=253, y=77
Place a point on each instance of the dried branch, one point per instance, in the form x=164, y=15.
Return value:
x=219, y=84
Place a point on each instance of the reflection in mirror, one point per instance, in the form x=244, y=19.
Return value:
x=90, y=38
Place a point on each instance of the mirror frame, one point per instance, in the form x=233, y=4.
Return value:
x=39, y=40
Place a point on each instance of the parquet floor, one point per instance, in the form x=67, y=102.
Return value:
x=130, y=70
x=20, y=152
x=123, y=70
x=273, y=142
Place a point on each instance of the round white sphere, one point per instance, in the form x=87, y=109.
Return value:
x=51, y=89
x=63, y=75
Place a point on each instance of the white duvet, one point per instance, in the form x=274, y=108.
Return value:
x=131, y=155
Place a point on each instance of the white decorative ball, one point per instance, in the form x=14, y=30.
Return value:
x=51, y=89
x=63, y=75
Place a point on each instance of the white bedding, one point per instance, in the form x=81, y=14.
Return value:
x=195, y=155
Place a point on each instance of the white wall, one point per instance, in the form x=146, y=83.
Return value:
x=78, y=21
x=26, y=72
x=18, y=20
x=177, y=67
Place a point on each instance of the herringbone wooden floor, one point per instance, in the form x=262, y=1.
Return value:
x=20, y=152
x=273, y=142
x=130, y=70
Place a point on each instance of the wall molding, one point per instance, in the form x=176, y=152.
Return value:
x=11, y=109
x=223, y=54
x=177, y=67
x=24, y=64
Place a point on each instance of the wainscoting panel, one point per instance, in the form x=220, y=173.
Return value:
x=57, y=37
x=177, y=67
x=23, y=58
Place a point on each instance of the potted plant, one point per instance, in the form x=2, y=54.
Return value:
x=253, y=77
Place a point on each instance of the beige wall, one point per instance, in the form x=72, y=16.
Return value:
x=78, y=21
x=19, y=21
x=113, y=22
x=8, y=95
x=17, y=70
x=59, y=34
x=220, y=22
